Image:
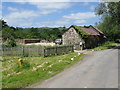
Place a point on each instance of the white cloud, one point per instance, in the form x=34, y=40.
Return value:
x=46, y=12
x=62, y=22
x=92, y=7
x=41, y=1
x=22, y=15
x=86, y=3
x=0, y=14
x=0, y=10
x=55, y=23
x=80, y=21
x=81, y=15
x=46, y=7
x=80, y=18
x=50, y=7
x=20, y=18
x=25, y=18
x=58, y=0
x=12, y=9
x=0, y=5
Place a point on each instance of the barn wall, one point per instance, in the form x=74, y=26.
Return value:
x=92, y=41
x=71, y=37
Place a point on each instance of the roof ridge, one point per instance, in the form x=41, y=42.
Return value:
x=97, y=29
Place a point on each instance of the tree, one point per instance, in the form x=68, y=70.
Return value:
x=110, y=22
x=3, y=23
x=32, y=33
x=46, y=33
x=7, y=33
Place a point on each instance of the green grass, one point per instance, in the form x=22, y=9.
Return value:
x=34, y=69
x=105, y=45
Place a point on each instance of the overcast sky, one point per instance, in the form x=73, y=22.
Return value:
x=49, y=14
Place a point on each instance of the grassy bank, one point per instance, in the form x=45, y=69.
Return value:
x=105, y=45
x=21, y=72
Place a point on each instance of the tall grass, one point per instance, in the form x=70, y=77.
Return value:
x=34, y=69
x=105, y=45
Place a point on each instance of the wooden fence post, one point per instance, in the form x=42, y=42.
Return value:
x=23, y=50
x=72, y=48
x=43, y=51
x=56, y=50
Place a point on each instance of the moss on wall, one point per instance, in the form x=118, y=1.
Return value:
x=83, y=34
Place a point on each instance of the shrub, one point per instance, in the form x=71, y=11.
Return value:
x=105, y=45
x=117, y=40
x=21, y=66
x=10, y=43
x=26, y=65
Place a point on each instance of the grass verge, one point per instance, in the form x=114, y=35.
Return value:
x=105, y=45
x=21, y=72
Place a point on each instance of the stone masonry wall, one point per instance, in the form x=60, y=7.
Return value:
x=71, y=37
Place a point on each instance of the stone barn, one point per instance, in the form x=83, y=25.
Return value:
x=90, y=36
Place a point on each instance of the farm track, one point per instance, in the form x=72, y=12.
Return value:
x=99, y=69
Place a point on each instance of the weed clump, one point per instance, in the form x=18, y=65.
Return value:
x=21, y=65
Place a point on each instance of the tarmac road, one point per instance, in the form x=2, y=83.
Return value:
x=99, y=69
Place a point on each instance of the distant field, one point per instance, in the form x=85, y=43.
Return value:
x=43, y=44
x=17, y=74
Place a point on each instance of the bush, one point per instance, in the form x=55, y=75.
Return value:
x=105, y=45
x=26, y=65
x=10, y=43
x=117, y=40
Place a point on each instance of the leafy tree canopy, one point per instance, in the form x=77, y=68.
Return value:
x=43, y=33
x=110, y=22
